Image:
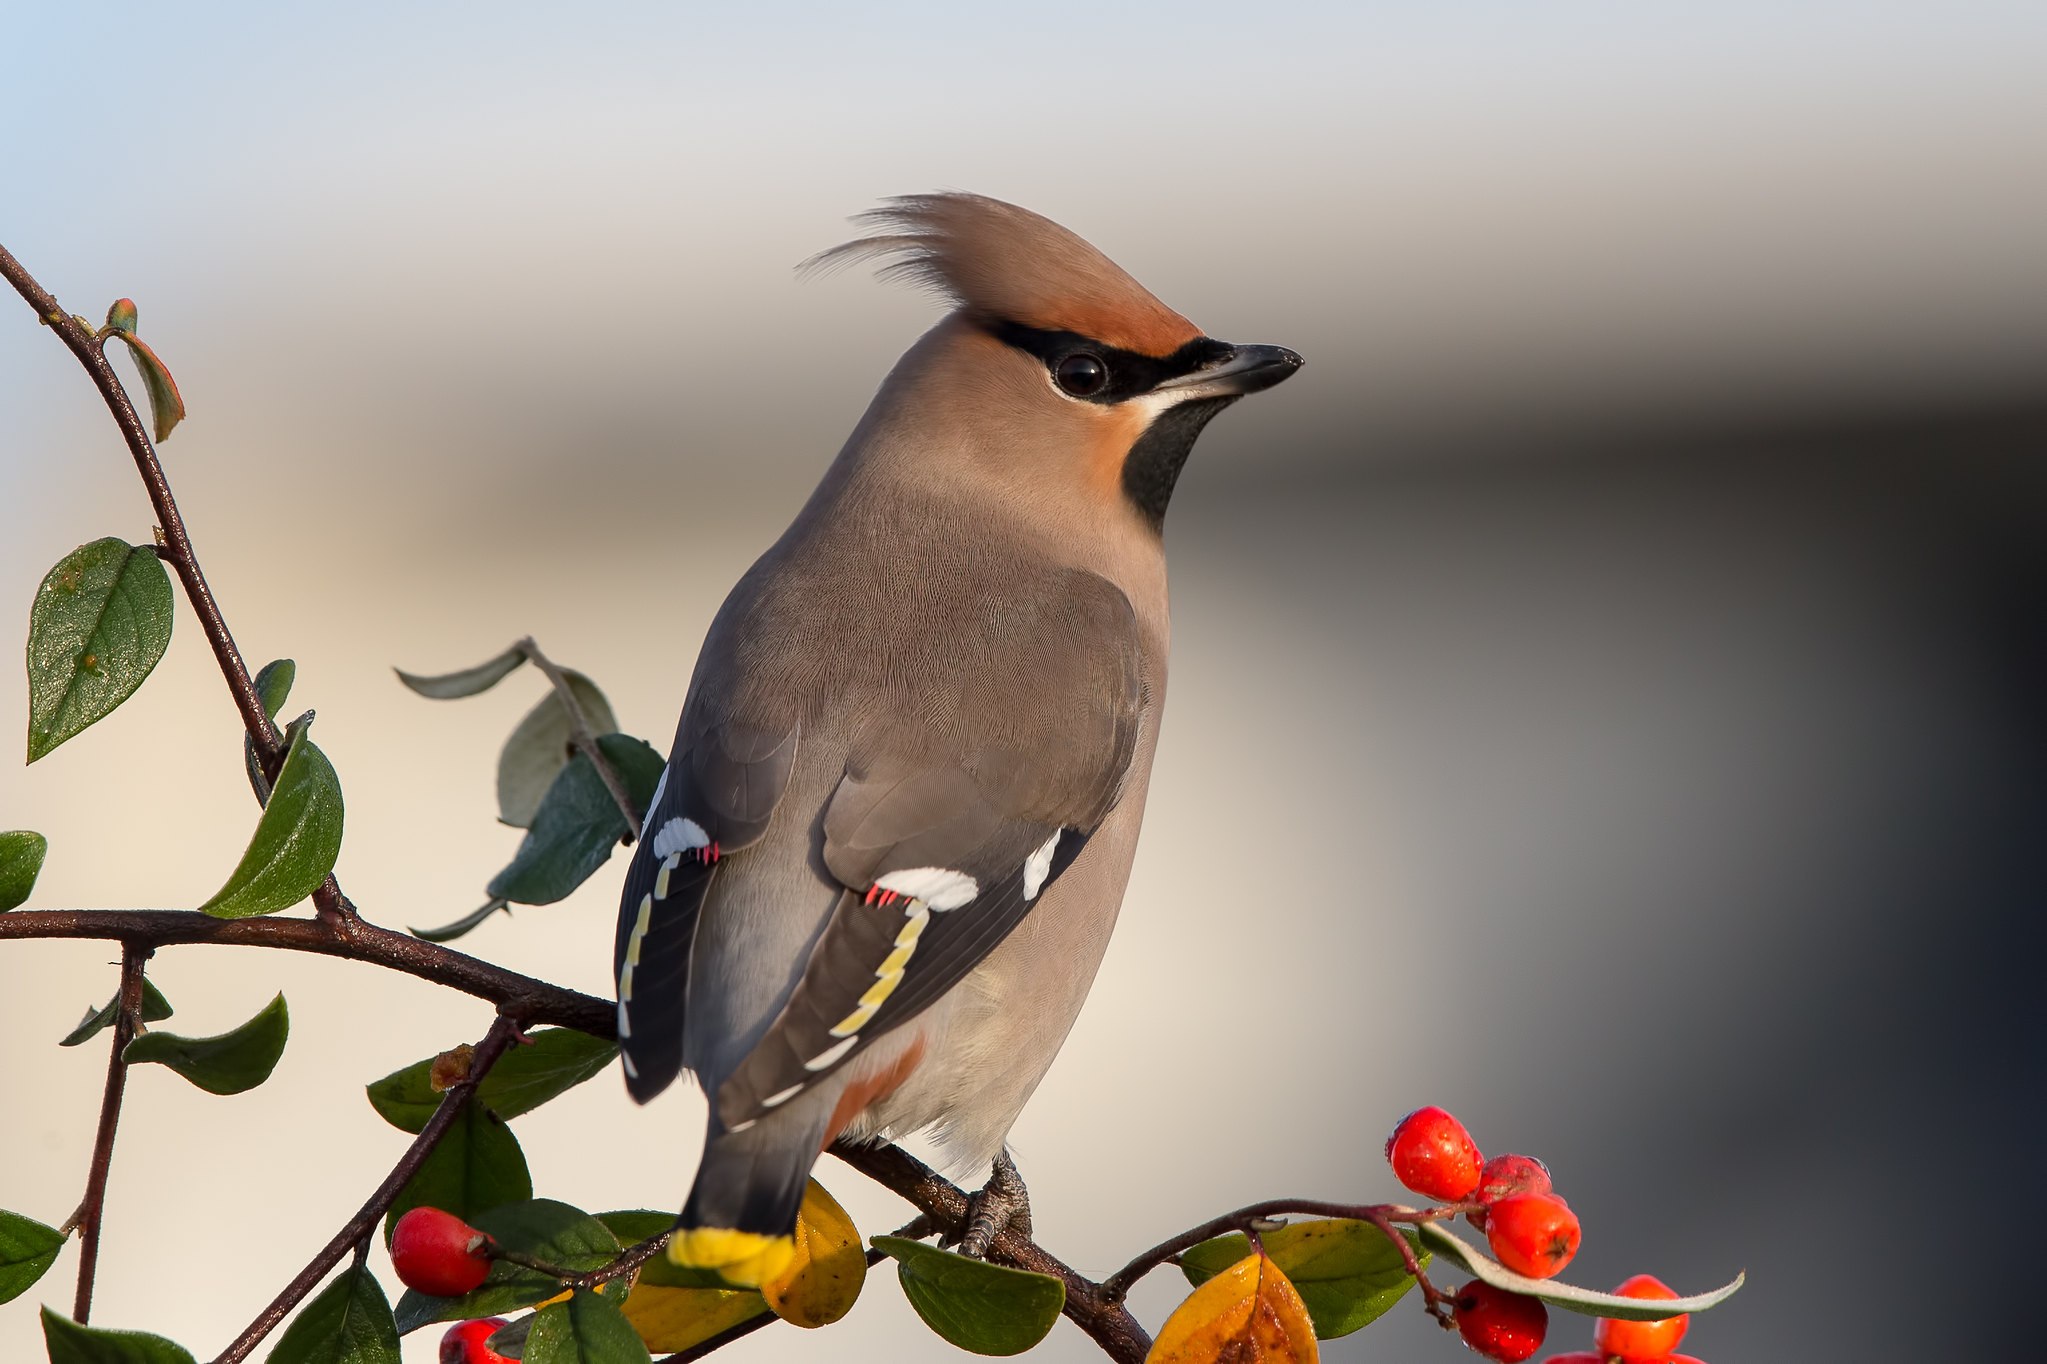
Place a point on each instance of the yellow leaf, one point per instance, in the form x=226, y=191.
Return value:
x=1248, y=1314
x=671, y=1319
x=823, y=1281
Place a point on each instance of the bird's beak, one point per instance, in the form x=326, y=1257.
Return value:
x=1246, y=369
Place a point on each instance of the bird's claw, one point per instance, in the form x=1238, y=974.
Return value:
x=1002, y=1204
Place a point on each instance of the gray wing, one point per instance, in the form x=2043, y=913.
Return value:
x=714, y=799
x=943, y=852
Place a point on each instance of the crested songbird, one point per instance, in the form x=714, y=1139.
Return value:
x=883, y=861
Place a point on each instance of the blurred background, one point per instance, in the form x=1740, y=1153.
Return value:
x=1622, y=646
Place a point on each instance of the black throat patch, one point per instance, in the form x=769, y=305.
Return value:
x=1153, y=465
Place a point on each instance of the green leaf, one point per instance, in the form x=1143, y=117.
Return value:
x=273, y=684
x=638, y=765
x=988, y=1309
x=539, y=747
x=544, y=1229
x=27, y=1250
x=70, y=1343
x=21, y=861
x=350, y=1322
x=587, y=1329
x=155, y=1009
x=638, y=1224
x=1439, y=1238
x=554, y=1061
x=450, y=932
x=100, y=622
x=476, y=1167
x=509, y=1340
x=470, y=681
x=1347, y=1273
x=578, y=824
x=166, y=404
x=296, y=840
x=273, y=688
x=121, y=316
x=227, y=1064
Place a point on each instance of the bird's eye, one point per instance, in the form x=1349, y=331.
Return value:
x=1081, y=374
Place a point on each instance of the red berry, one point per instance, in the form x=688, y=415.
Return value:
x=465, y=1342
x=1500, y=1325
x=438, y=1253
x=1641, y=1340
x=1433, y=1155
x=1505, y=1176
x=1533, y=1233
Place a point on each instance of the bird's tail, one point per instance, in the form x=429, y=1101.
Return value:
x=741, y=1215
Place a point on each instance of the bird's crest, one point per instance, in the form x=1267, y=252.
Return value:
x=1008, y=264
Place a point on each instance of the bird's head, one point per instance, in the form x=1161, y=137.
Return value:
x=1055, y=365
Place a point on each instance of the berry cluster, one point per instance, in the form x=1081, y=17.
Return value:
x=1533, y=1232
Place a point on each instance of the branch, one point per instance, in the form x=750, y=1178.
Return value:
x=176, y=547
x=127, y=1022
x=945, y=1203
x=503, y=1030
x=535, y=1001
x=580, y=733
x=1247, y=1219
x=174, y=544
x=627, y=1262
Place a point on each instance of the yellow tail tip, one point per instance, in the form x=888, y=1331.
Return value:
x=745, y=1259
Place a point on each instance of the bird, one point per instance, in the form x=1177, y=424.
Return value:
x=884, y=858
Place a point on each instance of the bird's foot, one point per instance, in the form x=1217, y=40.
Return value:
x=1003, y=1204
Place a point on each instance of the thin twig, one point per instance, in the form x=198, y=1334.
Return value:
x=1382, y=1215
x=534, y=1000
x=581, y=735
x=174, y=545
x=502, y=1030
x=1431, y=1298
x=84, y=343
x=628, y=1261
x=91, y=1213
